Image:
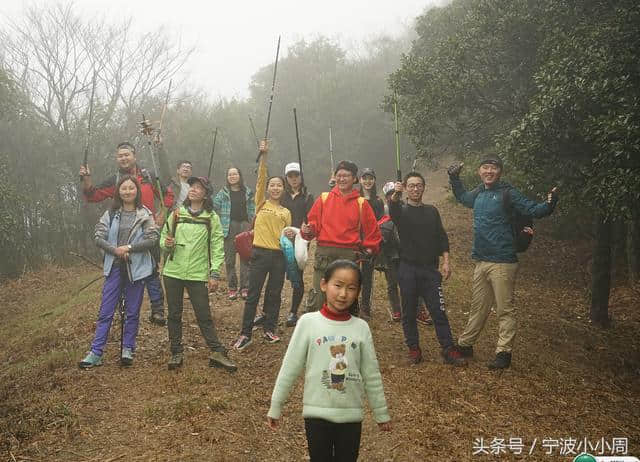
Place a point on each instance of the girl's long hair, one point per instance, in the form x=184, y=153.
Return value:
x=345, y=264
x=241, y=182
x=117, y=200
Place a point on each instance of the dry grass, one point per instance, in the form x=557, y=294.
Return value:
x=568, y=379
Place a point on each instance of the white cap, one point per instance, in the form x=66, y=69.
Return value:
x=292, y=167
x=388, y=187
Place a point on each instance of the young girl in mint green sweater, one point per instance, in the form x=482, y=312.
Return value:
x=336, y=350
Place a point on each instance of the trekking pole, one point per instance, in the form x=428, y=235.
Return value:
x=273, y=87
x=331, y=149
x=295, y=121
x=86, y=145
x=213, y=149
x=147, y=130
x=123, y=288
x=164, y=108
x=253, y=130
x=395, y=113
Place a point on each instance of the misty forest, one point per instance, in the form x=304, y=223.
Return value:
x=550, y=87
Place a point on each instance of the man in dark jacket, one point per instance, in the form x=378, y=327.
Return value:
x=423, y=241
x=494, y=251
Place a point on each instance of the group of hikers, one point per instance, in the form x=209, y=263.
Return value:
x=355, y=231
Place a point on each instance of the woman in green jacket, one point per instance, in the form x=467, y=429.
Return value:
x=192, y=238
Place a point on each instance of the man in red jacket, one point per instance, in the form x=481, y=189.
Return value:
x=344, y=225
x=127, y=165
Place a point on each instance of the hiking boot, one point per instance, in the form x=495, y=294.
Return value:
x=466, y=351
x=127, y=357
x=244, y=293
x=423, y=317
x=157, y=319
x=396, y=316
x=220, y=359
x=91, y=360
x=233, y=294
x=415, y=355
x=258, y=321
x=270, y=337
x=292, y=319
x=502, y=361
x=241, y=343
x=453, y=356
x=175, y=362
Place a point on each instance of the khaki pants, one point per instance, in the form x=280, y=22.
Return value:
x=323, y=258
x=493, y=285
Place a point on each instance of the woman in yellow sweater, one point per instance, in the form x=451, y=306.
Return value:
x=267, y=257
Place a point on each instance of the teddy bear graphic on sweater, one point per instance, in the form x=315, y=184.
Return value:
x=338, y=366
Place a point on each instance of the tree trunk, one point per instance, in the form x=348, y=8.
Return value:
x=601, y=272
x=633, y=249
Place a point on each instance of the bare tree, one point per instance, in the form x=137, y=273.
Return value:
x=53, y=54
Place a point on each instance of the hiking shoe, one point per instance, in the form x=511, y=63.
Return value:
x=466, y=351
x=91, y=360
x=127, y=357
x=270, y=337
x=244, y=293
x=220, y=359
x=292, y=319
x=396, y=316
x=233, y=294
x=258, y=321
x=415, y=355
x=157, y=319
x=453, y=356
x=175, y=362
x=502, y=361
x=241, y=343
x=423, y=317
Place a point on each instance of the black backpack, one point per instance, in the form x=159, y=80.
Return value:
x=518, y=221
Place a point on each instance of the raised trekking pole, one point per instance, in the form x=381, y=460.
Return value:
x=147, y=130
x=213, y=150
x=253, y=130
x=295, y=121
x=395, y=116
x=88, y=140
x=273, y=87
x=331, y=149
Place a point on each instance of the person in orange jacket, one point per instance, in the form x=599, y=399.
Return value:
x=344, y=225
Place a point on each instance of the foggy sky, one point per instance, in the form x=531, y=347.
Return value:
x=234, y=38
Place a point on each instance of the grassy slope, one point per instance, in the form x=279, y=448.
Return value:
x=568, y=379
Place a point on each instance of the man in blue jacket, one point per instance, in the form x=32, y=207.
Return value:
x=494, y=251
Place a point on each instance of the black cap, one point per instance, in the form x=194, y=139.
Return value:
x=368, y=171
x=493, y=161
x=347, y=165
x=204, y=181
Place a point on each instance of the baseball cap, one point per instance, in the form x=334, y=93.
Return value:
x=204, y=181
x=292, y=167
x=368, y=171
x=388, y=187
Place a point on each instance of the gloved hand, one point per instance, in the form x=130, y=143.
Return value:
x=454, y=169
